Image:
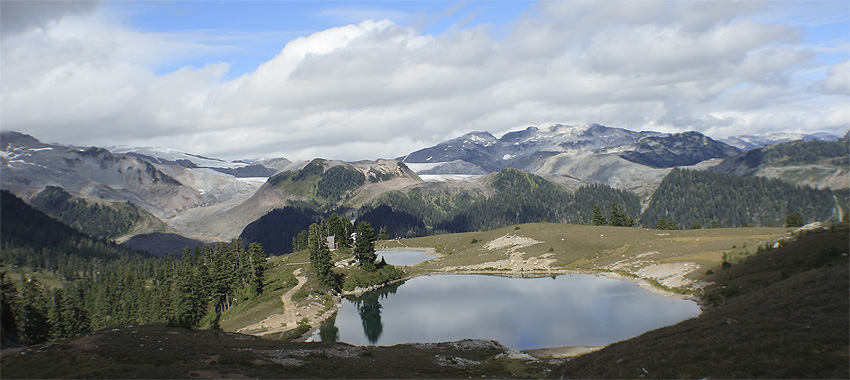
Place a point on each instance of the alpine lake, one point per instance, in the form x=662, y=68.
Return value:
x=520, y=313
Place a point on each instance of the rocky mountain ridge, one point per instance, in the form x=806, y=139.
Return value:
x=30, y=165
x=572, y=155
x=212, y=199
x=240, y=168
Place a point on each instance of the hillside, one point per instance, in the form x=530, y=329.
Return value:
x=778, y=314
x=161, y=244
x=108, y=220
x=505, y=198
x=33, y=239
x=705, y=197
x=820, y=164
x=159, y=352
x=680, y=149
x=735, y=338
x=750, y=142
x=688, y=198
x=296, y=197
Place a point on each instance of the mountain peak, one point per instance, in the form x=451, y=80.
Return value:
x=478, y=137
x=18, y=139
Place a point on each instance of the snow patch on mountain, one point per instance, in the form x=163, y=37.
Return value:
x=165, y=155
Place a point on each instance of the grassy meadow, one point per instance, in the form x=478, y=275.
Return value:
x=583, y=247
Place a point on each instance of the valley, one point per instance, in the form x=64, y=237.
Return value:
x=555, y=189
x=236, y=251
x=209, y=199
x=802, y=264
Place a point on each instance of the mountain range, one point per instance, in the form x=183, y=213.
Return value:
x=750, y=142
x=483, y=152
x=209, y=199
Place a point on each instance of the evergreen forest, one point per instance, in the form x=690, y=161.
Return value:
x=98, y=220
x=519, y=197
x=103, y=285
x=708, y=198
x=685, y=199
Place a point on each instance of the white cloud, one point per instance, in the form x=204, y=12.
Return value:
x=837, y=81
x=380, y=89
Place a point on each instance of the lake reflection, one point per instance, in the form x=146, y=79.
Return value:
x=403, y=256
x=521, y=313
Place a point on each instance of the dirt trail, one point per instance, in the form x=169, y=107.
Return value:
x=277, y=323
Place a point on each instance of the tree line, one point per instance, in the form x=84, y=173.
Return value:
x=104, y=285
x=202, y=285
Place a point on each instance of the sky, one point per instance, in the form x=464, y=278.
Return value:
x=357, y=80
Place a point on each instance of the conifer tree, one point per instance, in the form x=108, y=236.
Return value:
x=188, y=304
x=74, y=318
x=33, y=325
x=257, y=259
x=8, y=308
x=222, y=277
x=598, y=218
x=320, y=257
x=340, y=228
x=664, y=224
x=794, y=219
x=315, y=239
x=364, y=246
x=619, y=218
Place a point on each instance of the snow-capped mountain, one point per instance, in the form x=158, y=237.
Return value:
x=488, y=153
x=481, y=152
x=242, y=168
x=30, y=165
x=750, y=142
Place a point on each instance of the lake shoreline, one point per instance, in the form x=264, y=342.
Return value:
x=543, y=352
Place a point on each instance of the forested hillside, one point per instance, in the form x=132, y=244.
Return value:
x=709, y=198
x=396, y=223
x=103, y=285
x=794, y=153
x=509, y=197
x=806, y=152
x=518, y=197
x=276, y=230
x=98, y=220
x=330, y=182
x=31, y=238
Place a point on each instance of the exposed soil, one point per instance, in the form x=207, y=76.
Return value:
x=515, y=261
x=282, y=322
x=293, y=313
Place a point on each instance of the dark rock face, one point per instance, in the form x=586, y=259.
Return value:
x=680, y=149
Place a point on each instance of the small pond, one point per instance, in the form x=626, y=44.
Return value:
x=404, y=256
x=521, y=313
